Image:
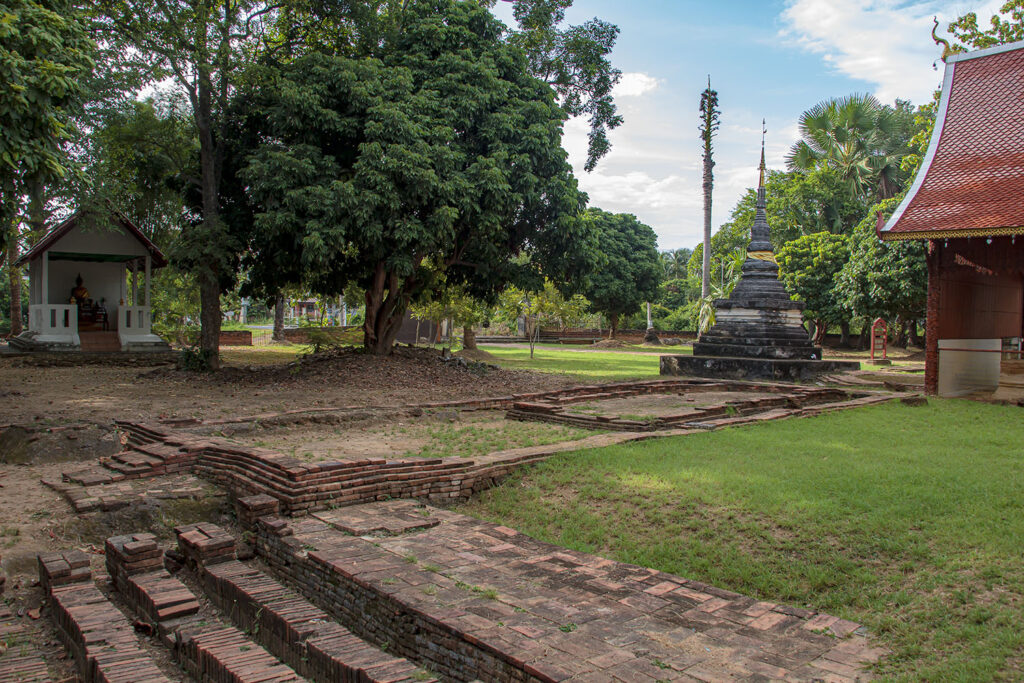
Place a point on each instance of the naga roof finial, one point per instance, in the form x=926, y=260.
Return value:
x=946, y=49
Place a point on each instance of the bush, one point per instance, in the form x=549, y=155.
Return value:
x=194, y=359
x=321, y=339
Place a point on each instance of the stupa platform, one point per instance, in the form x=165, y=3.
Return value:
x=736, y=367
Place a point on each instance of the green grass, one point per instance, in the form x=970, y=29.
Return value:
x=592, y=366
x=908, y=520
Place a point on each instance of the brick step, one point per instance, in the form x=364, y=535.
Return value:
x=20, y=660
x=94, y=631
x=299, y=633
x=210, y=651
x=99, y=342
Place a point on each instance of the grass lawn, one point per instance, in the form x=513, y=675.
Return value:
x=908, y=520
x=261, y=355
x=592, y=366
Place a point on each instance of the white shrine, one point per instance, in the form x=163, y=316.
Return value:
x=84, y=288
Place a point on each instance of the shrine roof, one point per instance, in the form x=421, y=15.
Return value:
x=62, y=229
x=971, y=182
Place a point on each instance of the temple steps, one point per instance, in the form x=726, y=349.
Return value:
x=252, y=630
x=100, y=342
x=98, y=636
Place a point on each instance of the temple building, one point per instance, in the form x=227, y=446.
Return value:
x=967, y=201
x=758, y=331
x=84, y=287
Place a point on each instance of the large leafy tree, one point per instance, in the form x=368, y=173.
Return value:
x=809, y=265
x=574, y=61
x=200, y=46
x=631, y=269
x=860, y=138
x=436, y=154
x=45, y=56
x=884, y=279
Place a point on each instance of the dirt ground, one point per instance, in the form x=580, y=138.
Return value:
x=99, y=393
x=434, y=434
x=659, y=405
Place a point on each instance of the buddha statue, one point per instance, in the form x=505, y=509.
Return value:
x=79, y=294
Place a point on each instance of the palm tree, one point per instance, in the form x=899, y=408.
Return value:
x=709, y=121
x=857, y=136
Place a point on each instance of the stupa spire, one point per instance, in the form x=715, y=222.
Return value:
x=762, y=168
x=760, y=246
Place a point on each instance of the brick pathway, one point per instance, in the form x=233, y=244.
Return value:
x=550, y=613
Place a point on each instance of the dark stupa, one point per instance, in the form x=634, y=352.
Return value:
x=758, y=330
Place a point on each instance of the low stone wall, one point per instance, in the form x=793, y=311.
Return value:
x=236, y=337
x=300, y=335
x=625, y=335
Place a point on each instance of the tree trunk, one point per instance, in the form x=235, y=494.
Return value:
x=865, y=336
x=614, y=319
x=468, y=337
x=386, y=302
x=209, y=269
x=901, y=333
x=278, y=334
x=915, y=338
x=820, y=329
x=705, y=280
x=14, y=280
x=844, y=334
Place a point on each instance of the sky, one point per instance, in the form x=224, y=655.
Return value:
x=770, y=59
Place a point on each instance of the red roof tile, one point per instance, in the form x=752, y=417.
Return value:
x=972, y=179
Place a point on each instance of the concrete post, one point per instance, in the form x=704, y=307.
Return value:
x=45, y=284
x=149, y=274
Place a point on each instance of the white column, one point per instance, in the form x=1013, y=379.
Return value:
x=124, y=285
x=149, y=273
x=135, y=284
x=45, y=291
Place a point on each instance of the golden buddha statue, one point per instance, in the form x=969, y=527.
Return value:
x=79, y=294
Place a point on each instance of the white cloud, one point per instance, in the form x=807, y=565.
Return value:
x=634, y=84
x=886, y=43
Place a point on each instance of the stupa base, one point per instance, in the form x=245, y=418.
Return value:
x=731, y=367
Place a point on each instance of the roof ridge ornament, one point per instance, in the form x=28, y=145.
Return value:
x=946, y=49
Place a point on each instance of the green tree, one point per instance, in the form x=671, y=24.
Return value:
x=631, y=268
x=440, y=154
x=675, y=261
x=574, y=61
x=860, y=138
x=544, y=305
x=1005, y=27
x=809, y=265
x=201, y=46
x=709, y=121
x=884, y=279
x=45, y=56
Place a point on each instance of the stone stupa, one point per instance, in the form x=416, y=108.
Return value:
x=758, y=331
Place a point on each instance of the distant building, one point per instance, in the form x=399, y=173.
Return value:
x=84, y=289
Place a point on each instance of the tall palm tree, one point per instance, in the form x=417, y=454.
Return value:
x=709, y=122
x=855, y=135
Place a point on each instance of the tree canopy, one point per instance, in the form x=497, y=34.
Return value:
x=631, y=267
x=441, y=153
x=809, y=265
